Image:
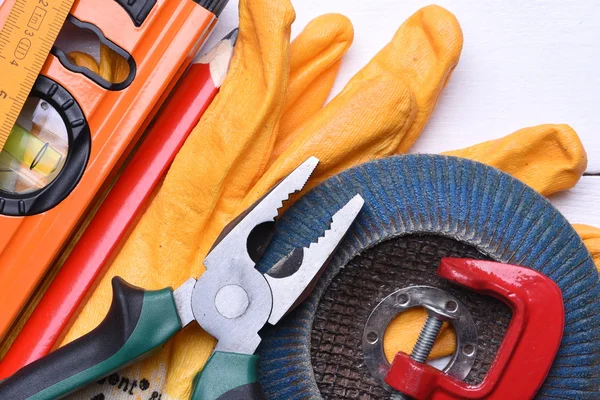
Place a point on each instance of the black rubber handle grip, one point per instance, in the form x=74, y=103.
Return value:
x=128, y=332
x=251, y=391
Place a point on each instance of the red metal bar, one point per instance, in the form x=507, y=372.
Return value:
x=115, y=218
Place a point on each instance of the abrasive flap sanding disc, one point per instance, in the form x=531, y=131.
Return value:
x=418, y=209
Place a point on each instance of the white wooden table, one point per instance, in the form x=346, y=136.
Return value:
x=524, y=63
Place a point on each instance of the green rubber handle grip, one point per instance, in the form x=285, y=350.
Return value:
x=228, y=376
x=137, y=323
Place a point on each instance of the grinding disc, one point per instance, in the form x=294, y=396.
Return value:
x=420, y=208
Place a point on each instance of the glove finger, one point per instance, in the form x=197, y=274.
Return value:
x=219, y=161
x=548, y=158
x=379, y=107
x=340, y=135
x=424, y=52
x=238, y=139
x=591, y=239
x=315, y=58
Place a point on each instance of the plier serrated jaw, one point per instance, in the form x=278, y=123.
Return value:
x=232, y=300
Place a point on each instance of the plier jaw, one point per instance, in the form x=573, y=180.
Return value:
x=232, y=244
x=232, y=300
x=290, y=290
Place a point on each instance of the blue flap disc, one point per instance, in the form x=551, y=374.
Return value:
x=419, y=208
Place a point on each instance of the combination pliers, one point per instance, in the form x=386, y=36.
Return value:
x=231, y=300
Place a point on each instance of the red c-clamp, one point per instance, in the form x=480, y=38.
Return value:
x=527, y=351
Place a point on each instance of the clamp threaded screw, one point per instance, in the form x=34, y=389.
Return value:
x=422, y=350
x=427, y=339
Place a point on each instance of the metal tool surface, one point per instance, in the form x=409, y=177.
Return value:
x=231, y=300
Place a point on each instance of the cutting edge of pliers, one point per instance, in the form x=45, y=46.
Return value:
x=232, y=300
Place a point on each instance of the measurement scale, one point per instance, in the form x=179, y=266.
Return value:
x=54, y=111
x=26, y=38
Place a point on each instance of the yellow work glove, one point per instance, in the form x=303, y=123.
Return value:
x=591, y=239
x=252, y=124
x=267, y=119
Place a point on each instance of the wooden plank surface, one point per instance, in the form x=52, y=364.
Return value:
x=524, y=63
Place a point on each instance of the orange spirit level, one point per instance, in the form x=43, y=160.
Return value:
x=77, y=126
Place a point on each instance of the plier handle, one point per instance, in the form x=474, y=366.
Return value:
x=231, y=300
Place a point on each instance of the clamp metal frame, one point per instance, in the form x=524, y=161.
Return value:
x=529, y=346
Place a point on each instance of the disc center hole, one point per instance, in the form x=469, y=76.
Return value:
x=403, y=331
